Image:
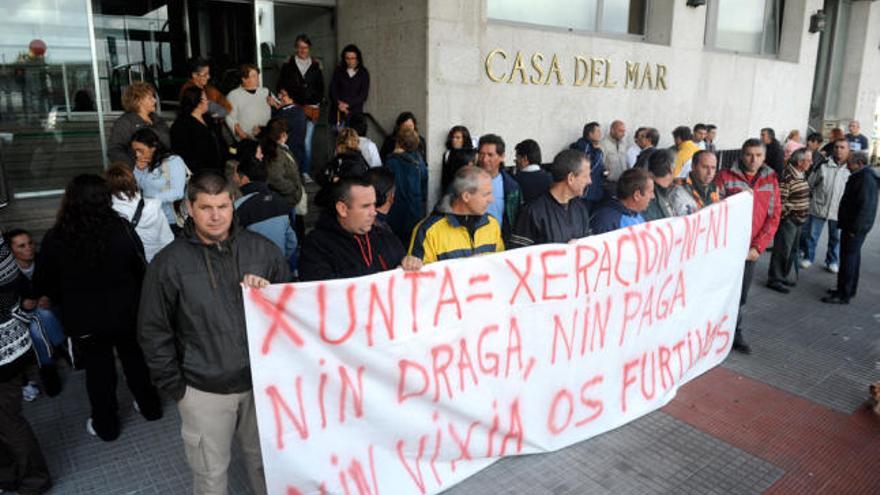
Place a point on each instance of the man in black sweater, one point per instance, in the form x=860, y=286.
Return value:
x=556, y=215
x=344, y=242
x=775, y=154
x=532, y=179
x=858, y=207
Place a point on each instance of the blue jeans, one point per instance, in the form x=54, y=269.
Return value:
x=306, y=166
x=810, y=238
x=46, y=333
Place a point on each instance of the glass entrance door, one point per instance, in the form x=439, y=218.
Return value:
x=278, y=25
x=48, y=118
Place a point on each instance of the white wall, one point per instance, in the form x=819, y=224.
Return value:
x=739, y=93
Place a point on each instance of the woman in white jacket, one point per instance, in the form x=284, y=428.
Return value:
x=145, y=214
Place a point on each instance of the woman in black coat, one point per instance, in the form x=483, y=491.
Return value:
x=406, y=120
x=194, y=135
x=92, y=264
x=349, y=87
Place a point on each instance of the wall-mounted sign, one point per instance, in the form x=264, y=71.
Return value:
x=594, y=72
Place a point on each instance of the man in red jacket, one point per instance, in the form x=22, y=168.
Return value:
x=751, y=174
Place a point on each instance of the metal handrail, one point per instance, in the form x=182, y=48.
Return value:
x=377, y=125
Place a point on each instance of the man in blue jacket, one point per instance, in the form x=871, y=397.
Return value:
x=589, y=145
x=261, y=210
x=635, y=190
x=855, y=217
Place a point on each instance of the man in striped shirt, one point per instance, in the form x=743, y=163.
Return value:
x=794, y=194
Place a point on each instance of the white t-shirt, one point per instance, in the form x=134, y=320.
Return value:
x=370, y=152
x=152, y=228
x=248, y=110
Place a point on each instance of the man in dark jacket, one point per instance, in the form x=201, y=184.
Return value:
x=291, y=111
x=775, y=153
x=635, y=190
x=660, y=166
x=411, y=185
x=858, y=207
x=506, y=194
x=192, y=329
x=260, y=210
x=558, y=215
x=588, y=144
x=344, y=243
x=532, y=179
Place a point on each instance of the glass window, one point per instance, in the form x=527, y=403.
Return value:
x=748, y=26
x=608, y=16
x=133, y=44
x=48, y=119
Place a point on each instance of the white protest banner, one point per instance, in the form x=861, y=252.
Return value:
x=409, y=382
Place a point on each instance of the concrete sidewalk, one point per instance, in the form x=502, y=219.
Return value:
x=787, y=419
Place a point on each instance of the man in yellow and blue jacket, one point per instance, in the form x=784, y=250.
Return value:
x=459, y=226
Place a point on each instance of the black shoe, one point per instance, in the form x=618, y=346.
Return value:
x=51, y=380
x=778, y=287
x=741, y=347
x=831, y=290
x=788, y=283
x=739, y=343
x=835, y=299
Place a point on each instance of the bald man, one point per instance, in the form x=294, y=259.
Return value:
x=614, y=148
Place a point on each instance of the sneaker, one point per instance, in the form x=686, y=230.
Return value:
x=308, y=179
x=90, y=429
x=805, y=264
x=833, y=268
x=30, y=392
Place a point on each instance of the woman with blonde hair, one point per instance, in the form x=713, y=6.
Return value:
x=144, y=214
x=139, y=102
x=347, y=162
x=792, y=142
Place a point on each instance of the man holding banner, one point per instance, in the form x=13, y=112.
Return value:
x=345, y=241
x=460, y=226
x=751, y=174
x=191, y=327
x=553, y=216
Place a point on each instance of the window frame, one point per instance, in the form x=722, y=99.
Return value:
x=710, y=41
x=600, y=6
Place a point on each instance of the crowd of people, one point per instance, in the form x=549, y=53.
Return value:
x=144, y=264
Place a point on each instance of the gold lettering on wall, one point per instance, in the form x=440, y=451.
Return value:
x=632, y=74
x=493, y=77
x=608, y=82
x=593, y=72
x=537, y=64
x=554, y=69
x=578, y=63
x=661, y=77
x=647, y=77
x=518, y=66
